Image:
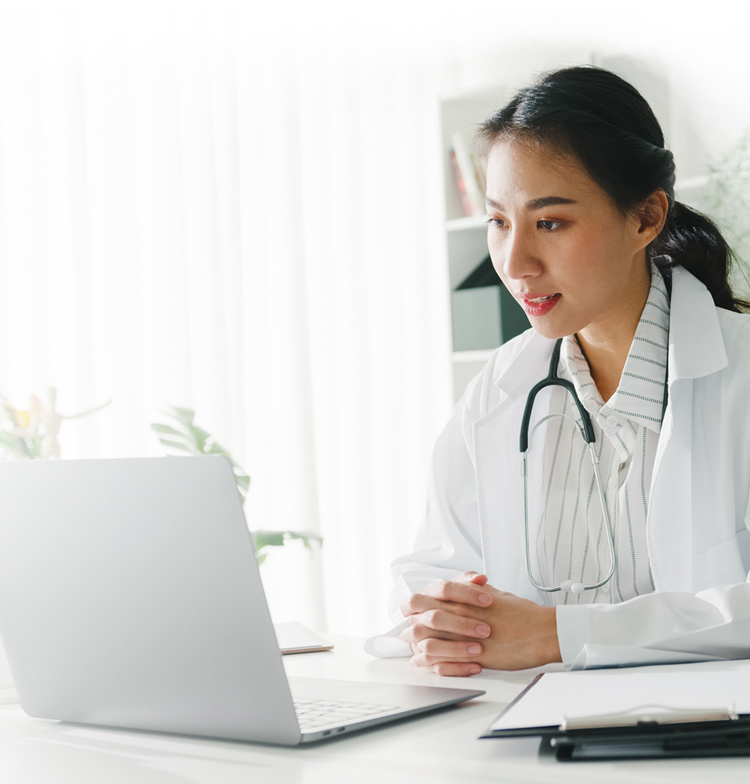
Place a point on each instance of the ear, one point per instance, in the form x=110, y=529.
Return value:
x=652, y=215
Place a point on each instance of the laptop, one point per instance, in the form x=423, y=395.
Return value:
x=130, y=597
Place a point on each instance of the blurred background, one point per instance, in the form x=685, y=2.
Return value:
x=240, y=209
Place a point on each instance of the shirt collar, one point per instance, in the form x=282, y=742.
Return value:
x=639, y=398
x=640, y=394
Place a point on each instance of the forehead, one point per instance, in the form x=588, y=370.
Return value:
x=529, y=170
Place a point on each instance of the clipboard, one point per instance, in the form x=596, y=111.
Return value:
x=643, y=713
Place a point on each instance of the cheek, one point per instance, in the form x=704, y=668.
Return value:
x=598, y=258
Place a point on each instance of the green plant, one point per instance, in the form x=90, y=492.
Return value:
x=20, y=438
x=727, y=202
x=185, y=436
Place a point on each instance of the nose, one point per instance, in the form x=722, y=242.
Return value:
x=517, y=256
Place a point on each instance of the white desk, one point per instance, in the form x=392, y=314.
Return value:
x=439, y=748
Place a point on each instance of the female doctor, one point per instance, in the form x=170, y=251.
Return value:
x=633, y=548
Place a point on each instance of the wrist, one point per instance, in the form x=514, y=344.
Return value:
x=549, y=644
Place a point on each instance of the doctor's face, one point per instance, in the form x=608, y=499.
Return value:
x=571, y=258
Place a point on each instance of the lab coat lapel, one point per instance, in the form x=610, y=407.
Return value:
x=696, y=349
x=498, y=469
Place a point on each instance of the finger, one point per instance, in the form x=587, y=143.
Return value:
x=418, y=603
x=456, y=669
x=415, y=634
x=440, y=650
x=436, y=623
x=477, y=579
x=422, y=659
x=471, y=576
x=459, y=592
x=450, y=668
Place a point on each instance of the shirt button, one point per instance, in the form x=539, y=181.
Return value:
x=612, y=421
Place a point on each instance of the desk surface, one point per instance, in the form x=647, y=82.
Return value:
x=442, y=747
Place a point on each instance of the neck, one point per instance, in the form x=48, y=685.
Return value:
x=606, y=361
x=606, y=346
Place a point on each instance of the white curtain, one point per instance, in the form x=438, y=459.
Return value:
x=195, y=212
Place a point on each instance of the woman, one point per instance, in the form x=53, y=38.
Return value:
x=585, y=232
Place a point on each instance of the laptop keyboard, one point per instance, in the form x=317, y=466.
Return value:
x=315, y=714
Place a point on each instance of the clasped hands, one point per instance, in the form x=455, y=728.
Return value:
x=459, y=626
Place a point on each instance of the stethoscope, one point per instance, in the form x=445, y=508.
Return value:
x=586, y=429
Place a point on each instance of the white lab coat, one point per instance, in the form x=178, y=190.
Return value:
x=698, y=519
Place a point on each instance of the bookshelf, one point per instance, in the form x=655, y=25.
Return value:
x=475, y=313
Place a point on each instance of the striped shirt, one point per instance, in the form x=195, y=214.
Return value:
x=570, y=536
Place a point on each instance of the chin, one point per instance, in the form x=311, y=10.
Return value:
x=547, y=330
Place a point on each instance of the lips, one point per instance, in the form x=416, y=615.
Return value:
x=539, y=304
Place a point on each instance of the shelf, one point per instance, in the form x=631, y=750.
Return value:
x=461, y=224
x=472, y=356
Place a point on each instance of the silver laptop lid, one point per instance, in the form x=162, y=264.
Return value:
x=129, y=596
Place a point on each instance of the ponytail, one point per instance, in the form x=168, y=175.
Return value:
x=606, y=123
x=693, y=241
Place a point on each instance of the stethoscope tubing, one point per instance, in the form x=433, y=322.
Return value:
x=586, y=429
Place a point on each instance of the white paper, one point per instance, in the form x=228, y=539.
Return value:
x=560, y=695
x=294, y=637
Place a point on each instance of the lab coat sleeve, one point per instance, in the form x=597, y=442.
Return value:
x=657, y=628
x=448, y=540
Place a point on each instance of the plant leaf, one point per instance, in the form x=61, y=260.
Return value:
x=243, y=481
x=201, y=436
x=8, y=439
x=305, y=536
x=268, y=539
x=265, y=538
x=166, y=429
x=176, y=445
x=184, y=415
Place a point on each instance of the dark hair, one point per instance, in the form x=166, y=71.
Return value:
x=607, y=124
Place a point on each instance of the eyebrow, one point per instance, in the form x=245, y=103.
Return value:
x=536, y=204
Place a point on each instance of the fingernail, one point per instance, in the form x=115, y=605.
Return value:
x=475, y=669
x=484, y=599
x=483, y=630
x=475, y=649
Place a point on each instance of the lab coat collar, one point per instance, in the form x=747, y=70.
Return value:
x=528, y=365
x=696, y=345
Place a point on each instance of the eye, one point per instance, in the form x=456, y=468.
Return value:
x=497, y=223
x=549, y=225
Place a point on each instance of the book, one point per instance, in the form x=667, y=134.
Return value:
x=465, y=203
x=470, y=175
